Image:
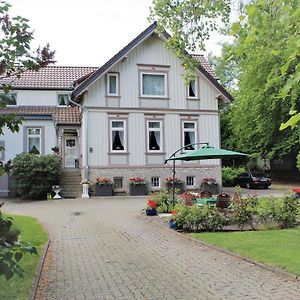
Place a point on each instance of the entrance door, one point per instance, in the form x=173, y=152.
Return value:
x=71, y=152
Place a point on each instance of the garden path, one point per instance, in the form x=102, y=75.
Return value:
x=103, y=248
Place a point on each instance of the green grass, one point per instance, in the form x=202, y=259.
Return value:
x=18, y=288
x=279, y=248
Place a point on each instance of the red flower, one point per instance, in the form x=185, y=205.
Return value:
x=152, y=203
x=174, y=212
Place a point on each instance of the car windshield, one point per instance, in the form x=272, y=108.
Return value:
x=257, y=174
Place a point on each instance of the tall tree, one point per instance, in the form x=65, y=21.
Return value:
x=16, y=56
x=190, y=23
x=265, y=53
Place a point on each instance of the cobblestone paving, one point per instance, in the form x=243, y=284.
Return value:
x=104, y=249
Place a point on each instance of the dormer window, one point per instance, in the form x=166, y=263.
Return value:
x=8, y=99
x=62, y=99
x=192, y=90
x=112, y=84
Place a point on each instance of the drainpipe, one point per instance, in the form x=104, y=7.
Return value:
x=86, y=156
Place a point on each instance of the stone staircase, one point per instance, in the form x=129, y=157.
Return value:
x=70, y=183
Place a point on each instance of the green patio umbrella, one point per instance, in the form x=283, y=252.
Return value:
x=207, y=152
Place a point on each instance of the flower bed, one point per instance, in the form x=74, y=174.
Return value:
x=104, y=187
x=137, y=186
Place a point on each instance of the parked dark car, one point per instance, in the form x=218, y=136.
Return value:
x=254, y=179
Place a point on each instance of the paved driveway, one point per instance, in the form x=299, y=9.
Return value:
x=105, y=249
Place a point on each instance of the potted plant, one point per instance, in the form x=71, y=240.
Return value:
x=85, y=188
x=104, y=187
x=209, y=184
x=172, y=221
x=151, y=208
x=137, y=186
x=178, y=184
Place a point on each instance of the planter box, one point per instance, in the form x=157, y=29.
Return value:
x=104, y=190
x=138, y=190
x=212, y=188
x=151, y=212
x=178, y=188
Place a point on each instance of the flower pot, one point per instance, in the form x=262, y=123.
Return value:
x=212, y=188
x=104, y=190
x=178, y=187
x=151, y=212
x=172, y=225
x=138, y=190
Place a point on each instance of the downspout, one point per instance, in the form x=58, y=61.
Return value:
x=85, y=159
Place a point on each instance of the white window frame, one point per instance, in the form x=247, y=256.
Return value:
x=118, y=129
x=58, y=94
x=34, y=135
x=187, y=181
x=155, y=129
x=189, y=130
x=153, y=179
x=118, y=180
x=196, y=90
x=109, y=75
x=165, y=95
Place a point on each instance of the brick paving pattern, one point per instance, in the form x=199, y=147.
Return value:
x=104, y=249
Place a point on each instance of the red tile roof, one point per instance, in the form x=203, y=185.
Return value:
x=205, y=64
x=51, y=77
x=60, y=115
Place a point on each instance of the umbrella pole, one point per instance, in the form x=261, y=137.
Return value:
x=173, y=188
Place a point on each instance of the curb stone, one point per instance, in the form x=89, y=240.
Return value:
x=39, y=271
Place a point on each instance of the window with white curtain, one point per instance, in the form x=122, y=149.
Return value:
x=113, y=84
x=153, y=84
x=193, y=89
x=154, y=136
x=118, y=141
x=34, y=140
x=189, y=135
x=62, y=99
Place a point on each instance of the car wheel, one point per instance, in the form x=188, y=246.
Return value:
x=248, y=186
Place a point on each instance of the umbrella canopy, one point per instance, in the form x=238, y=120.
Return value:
x=207, y=152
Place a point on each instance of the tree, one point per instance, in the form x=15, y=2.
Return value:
x=16, y=56
x=265, y=52
x=190, y=23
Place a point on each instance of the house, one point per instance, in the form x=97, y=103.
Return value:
x=127, y=116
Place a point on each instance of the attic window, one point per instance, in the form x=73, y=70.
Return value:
x=153, y=85
x=112, y=84
x=62, y=99
x=192, y=90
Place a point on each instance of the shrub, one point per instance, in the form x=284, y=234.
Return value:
x=199, y=218
x=11, y=250
x=242, y=210
x=164, y=201
x=230, y=175
x=35, y=174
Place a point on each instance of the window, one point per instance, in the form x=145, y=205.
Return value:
x=118, y=182
x=155, y=182
x=34, y=140
x=118, y=141
x=153, y=84
x=112, y=84
x=189, y=135
x=8, y=99
x=190, y=181
x=154, y=135
x=193, y=89
x=62, y=99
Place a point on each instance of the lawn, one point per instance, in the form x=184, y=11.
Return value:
x=19, y=288
x=279, y=248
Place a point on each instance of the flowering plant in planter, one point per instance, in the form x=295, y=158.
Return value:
x=169, y=180
x=103, y=181
x=151, y=208
x=209, y=180
x=137, y=181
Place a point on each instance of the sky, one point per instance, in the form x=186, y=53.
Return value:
x=88, y=32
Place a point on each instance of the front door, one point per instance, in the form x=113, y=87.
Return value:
x=71, y=152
